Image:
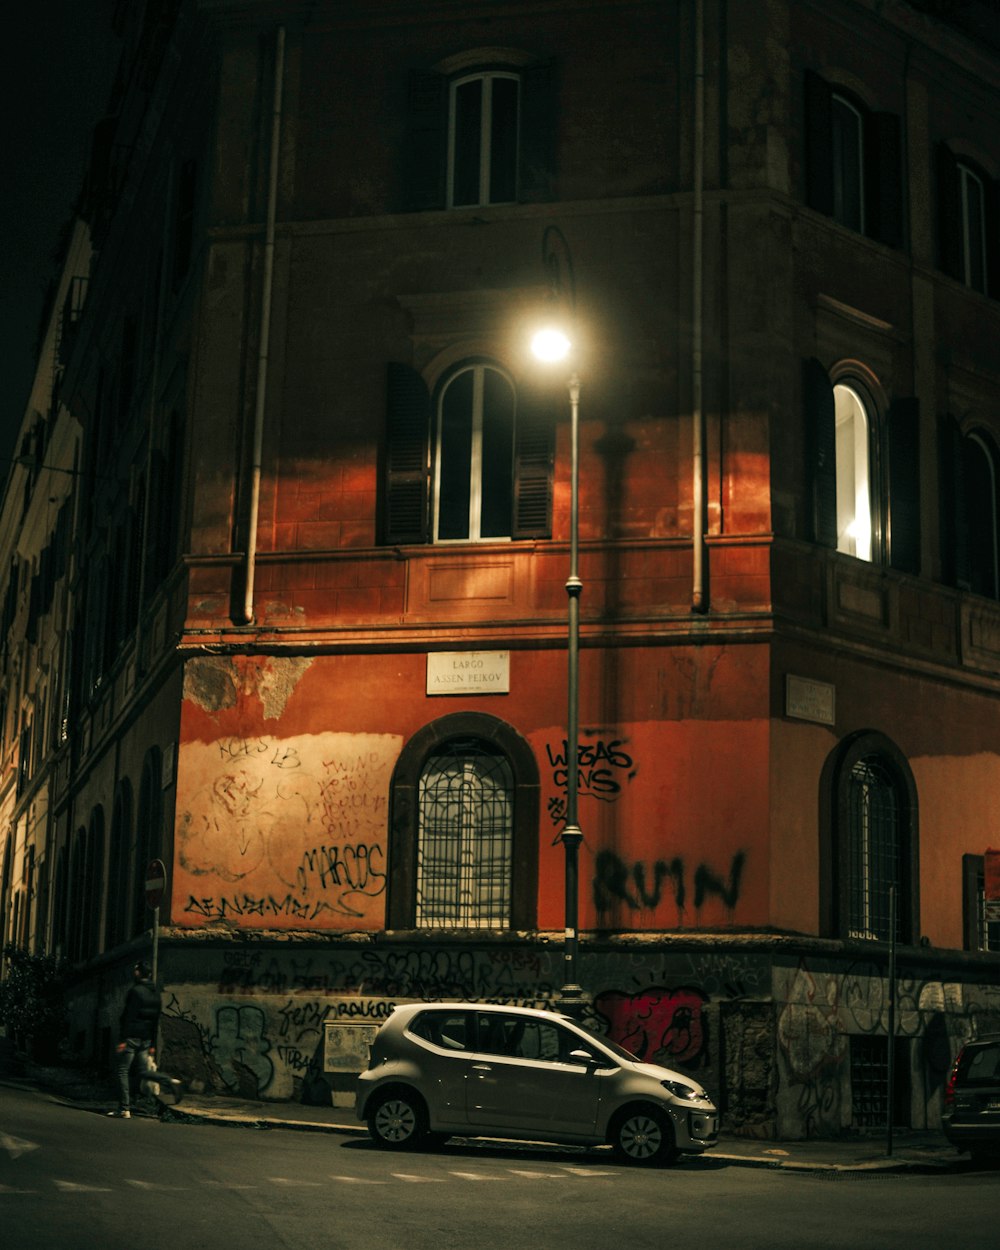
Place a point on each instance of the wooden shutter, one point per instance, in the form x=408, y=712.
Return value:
x=821, y=445
x=537, y=145
x=819, y=144
x=992, y=227
x=954, y=519
x=407, y=456
x=425, y=150
x=883, y=179
x=949, y=213
x=904, y=485
x=533, y=466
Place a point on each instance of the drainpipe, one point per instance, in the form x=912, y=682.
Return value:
x=699, y=592
x=267, y=283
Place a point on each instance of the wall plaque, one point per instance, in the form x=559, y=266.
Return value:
x=468, y=672
x=806, y=699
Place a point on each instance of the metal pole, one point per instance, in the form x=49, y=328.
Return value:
x=572, y=993
x=156, y=941
x=891, y=1023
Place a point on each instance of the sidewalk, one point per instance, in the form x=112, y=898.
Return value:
x=913, y=1151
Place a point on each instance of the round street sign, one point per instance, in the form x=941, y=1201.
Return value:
x=156, y=881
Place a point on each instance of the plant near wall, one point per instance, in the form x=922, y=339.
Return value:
x=32, y=1001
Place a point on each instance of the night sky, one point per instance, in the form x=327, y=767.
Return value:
x=60, y=60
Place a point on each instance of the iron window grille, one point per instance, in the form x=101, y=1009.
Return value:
x=465, y=837
x=874, y=850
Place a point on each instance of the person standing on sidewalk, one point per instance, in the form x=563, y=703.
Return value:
x=137, y=1040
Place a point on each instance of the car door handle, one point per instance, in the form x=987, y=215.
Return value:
x=482, y=1067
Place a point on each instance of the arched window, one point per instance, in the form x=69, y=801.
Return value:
x=93, y=886
x=474, y=456
x=463, y=836
x=869, y=828
x=77, y=888
x=473, y=465
x=482, y=139
x=147, y=835
x=981, y=519
x=854, y=500
x=847, y=137
x=116, y=925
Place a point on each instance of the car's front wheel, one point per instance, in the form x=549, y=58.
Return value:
x=643, y=1135
x=398, y=1121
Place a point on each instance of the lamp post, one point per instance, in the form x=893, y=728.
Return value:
x=552, y=346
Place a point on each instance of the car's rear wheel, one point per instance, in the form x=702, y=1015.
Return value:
x=643, y=1135
x=398, y=1121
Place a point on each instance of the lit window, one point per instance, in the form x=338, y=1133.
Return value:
x=474, y=462
x=854, y=514
x=482, y=140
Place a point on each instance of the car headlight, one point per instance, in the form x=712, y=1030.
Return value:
x=680, y=1090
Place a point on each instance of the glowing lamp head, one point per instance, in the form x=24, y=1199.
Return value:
x=551, y=346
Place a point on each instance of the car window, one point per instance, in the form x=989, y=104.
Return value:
x=982, y=1065
x=447, y=1029
x=520, y=1037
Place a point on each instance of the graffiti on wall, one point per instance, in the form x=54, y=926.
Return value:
x=643, y=886
x=604, y=768
x=277, y=832
x=657, y=1025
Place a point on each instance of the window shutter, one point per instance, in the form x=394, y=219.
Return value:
x=536, y=158
x=904, y=485
x=884, y=179
x=821, y=444
x=992, y=226
x=949, y=213
x=954, y=520
x=819, y=144
x=425, y=151
x=406, y=456
x=533, y=467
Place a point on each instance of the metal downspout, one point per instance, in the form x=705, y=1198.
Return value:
x=267, y=283
x=699, y=593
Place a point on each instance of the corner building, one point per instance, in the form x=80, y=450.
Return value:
x=322, y=526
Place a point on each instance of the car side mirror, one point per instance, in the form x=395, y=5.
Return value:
x=584, y=1056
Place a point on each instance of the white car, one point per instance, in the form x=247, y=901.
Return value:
x=439, y=1069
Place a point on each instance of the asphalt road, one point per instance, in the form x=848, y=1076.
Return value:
x=72, y=1180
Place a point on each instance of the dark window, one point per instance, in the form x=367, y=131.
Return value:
x=484, y=472
x=474, y=457
x=116, y=923
x=853, y=162
x=479, y=138
x=463, y=836
x=482, y=153
x=970, y=505
x=981, y=933
x=447, y=1029
x=870, y=1082
x=968, y=203
x=873, y=848
x=869, y=842
x=147, y=835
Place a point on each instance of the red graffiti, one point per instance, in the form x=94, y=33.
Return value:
x=656, y=1024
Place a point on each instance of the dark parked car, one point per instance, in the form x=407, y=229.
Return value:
x=438, y=1069
x=971, y=1118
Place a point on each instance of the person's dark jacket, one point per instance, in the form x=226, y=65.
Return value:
x=142, y=1012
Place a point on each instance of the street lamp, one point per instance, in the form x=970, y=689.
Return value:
x=552, y=346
